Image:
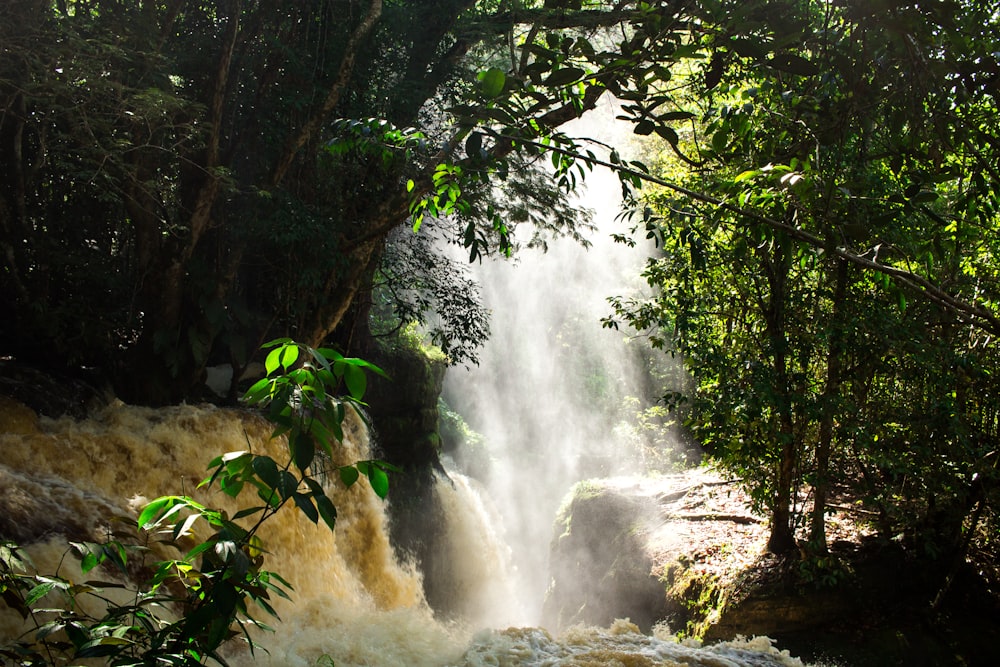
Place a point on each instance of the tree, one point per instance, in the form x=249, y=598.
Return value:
x=857, y=146
x=184, y=180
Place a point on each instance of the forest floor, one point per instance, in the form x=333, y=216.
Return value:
x=706, y=519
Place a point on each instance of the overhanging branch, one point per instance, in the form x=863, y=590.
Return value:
x=971, y=313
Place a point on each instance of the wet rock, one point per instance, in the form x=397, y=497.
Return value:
x=647, y=549
x=600, y=566
x=54, y=393
x=404, y=416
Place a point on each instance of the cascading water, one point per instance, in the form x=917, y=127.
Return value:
x=551, y=378
x=354, y=601
x=353, y=598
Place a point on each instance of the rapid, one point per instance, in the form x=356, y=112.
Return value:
x=355, y=601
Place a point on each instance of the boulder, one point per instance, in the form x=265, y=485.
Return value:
x=600, y=566
x=652, y=550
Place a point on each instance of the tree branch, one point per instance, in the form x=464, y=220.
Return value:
x=333, y=95
x=554, y=19
x=971, y=313
x=393, y=211
x=202, y=210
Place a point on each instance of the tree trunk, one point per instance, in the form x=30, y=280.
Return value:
x=817, y=534
x=782, y=538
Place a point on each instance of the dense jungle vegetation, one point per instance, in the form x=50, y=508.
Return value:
x=181, y=180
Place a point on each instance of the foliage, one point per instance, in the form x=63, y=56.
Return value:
x=820, y=272
x=465, y=445
x=184, y=180
x=189, y=607
x=417, y=284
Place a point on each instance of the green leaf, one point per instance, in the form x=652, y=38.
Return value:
x=669, y=134
x=565, y=76
x=719, y=141
x=289, y=355
x=260, y=390
x=38, y=592
x=105, y=646
x=356, y=381
x=303, y=449
x=267, y=470
x=48, y=629
x=474, y=144
x=750, y=48
x=379, y=481
x=287, y=485
x=269, y=496
x=644, y=127
x=115, y=552
x=273, y=360
x=675, y=115
x=349, y=475
x=327, y=510
x=231, y=486
x=385, y=465
x=88, y=563
x=305, y=503
x=492, y=81
x=154, y=509
x=248, y=512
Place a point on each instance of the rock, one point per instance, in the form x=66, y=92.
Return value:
x=648, y=549
x=54, y=393
x=600, y=566
x=404, y=416
x=683, y=551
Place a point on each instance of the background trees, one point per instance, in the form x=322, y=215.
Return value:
x=176, y=187
x=183, y=180
x=833, y=296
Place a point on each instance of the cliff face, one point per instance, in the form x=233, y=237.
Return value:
x=404, y=415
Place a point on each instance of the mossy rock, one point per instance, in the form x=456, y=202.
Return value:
x=694, y=599
x=600, y=542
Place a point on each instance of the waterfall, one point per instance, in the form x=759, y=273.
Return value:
x=354, y=600
x=547, y=393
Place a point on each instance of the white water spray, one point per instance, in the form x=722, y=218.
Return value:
x=550, y=378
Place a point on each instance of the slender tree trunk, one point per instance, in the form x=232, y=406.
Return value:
x=834, y=360
x=782, y=538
